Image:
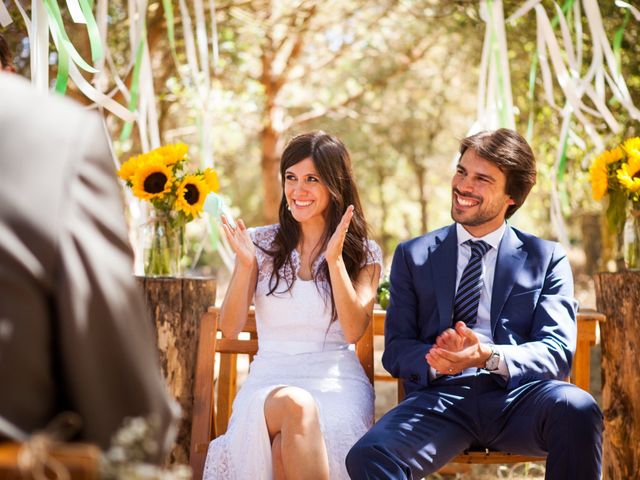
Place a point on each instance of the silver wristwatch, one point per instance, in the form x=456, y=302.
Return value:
x=492, y=363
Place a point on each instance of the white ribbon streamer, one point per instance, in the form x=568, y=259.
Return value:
x=99, y=97
x=495, y=103
x=5, y=18
x=75, y=11
x=523, y=10
x=147, y=92
x=100, y=79
x=634, y=11
x=39, y=46
x=214, y=36
x=203, y=46
x=190, y=48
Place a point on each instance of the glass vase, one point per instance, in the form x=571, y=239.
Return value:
x=163, y=239
x=631, y=240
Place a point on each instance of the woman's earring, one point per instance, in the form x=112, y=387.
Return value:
x=288, y=207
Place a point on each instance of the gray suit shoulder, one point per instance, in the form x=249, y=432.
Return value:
x=24, y=106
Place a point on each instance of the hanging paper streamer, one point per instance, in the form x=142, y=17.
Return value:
x=559, y=58
x=215, y=206
x=75, y=11
x=495, y=102
x=5, y=18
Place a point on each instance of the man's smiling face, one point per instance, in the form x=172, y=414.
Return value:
x=478, y=198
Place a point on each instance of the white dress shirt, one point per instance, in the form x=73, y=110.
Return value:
x=482, y=327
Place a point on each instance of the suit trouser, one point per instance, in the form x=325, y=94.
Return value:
x=434, y=424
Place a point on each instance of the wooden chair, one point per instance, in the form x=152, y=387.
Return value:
x=580, y=376
x=212, y=403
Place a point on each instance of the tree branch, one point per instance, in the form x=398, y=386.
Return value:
x=410, y=58
x=344, y=47
x=281, y=78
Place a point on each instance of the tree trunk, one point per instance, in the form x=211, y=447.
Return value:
x=592, y=242
x=618, y=297
x=421, y=173
x=270, y=174
x=176, y=305
x=384, y=236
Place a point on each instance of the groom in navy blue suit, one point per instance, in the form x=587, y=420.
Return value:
x=482, y=329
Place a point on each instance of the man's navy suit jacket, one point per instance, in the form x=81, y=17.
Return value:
x=533, y=312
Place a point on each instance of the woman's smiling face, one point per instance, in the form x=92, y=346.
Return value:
x=307, y=196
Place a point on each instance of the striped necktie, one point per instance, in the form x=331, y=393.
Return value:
x=465, y=306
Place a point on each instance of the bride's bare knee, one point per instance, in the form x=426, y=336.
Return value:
x=292, y=405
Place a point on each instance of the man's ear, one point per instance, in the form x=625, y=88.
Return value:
x=511, y=201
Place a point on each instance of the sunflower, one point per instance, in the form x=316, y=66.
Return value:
x=632, y=147
x=211, y=177
x=128, y=169
x=172, y=154
x=191, y=194
x=629, y=173
x=152, y=180
x=599, y=171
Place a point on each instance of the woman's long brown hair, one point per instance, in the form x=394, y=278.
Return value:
x=332, y=161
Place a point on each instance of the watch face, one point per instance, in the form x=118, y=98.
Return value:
x=493, y=362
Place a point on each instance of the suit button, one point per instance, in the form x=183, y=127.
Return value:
x=414, y=378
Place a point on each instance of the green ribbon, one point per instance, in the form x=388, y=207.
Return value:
x=617, y=41
x=53, y=12
x=135, y=86
x=168, y=15
x=562, y=164
x=66, y=50
x=62, y=78
x=97, y=51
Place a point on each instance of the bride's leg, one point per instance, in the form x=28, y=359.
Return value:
x=276, y=455
x=292, y=413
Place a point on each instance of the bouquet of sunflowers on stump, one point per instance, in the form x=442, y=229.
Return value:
x=177, y=197
x=616, y=174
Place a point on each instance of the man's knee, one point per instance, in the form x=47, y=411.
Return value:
x=359, y=456
x=578, y=409
x=371, y=458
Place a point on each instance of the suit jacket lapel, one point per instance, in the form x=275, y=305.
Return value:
x=444, y=261
x=511, y=256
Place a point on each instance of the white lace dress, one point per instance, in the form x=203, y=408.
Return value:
x=298, y=346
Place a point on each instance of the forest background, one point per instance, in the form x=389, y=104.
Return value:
x=396, y=80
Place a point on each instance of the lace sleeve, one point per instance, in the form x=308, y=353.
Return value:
x=263, y=237
x=374, y=254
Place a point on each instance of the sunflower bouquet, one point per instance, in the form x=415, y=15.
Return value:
x=616, y=174
x=177, y=197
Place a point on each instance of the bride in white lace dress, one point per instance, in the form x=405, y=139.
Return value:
x=313, y=276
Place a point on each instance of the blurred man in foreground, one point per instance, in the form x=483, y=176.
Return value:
x=74, y=330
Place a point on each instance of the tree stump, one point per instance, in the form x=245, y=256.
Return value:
x=618, y=297
x=176, y=305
